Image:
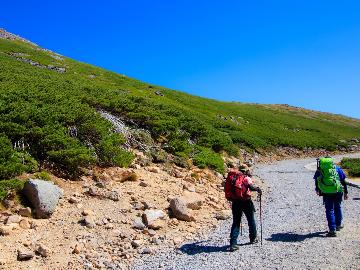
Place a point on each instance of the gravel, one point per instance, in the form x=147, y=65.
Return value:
x=294, y=228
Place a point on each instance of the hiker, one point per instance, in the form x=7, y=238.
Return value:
x=238, y=189
x=330, y=184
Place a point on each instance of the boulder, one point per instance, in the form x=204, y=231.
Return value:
x=151, y=215
x=180, y=210
x=192, y=200
x=43, y=195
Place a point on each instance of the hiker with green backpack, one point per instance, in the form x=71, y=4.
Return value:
x=331, y=185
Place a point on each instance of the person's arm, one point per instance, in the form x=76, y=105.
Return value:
x=316, y=175
x=253, y=187
x=342, y=178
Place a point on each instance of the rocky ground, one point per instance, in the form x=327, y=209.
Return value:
x=293, y=236
x=159, y=216
x=113, y=216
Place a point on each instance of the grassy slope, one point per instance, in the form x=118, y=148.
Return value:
x=40, y=105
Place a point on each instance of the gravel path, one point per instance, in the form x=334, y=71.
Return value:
x=294, y=231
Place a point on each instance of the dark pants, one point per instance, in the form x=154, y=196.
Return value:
x=333, y=210
x=238, y=207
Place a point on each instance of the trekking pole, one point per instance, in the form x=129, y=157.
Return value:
x=352, y=184
x=261, y=225
x=241, y=228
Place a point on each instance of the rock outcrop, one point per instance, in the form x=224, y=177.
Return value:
x=43, y=195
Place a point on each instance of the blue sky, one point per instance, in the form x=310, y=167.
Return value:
x=302, y=53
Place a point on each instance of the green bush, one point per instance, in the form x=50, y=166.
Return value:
x=352, y=165
x=8, y=185
x=205, y=157
x=12, y=162
x=111, y=153
x=42, y=175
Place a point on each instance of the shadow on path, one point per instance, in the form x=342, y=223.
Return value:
x=201, y=247
x=294, y=237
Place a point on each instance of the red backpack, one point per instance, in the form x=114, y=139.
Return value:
x=235, y=186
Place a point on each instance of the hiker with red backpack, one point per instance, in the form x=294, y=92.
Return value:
x=330, y=183
x=238, y=187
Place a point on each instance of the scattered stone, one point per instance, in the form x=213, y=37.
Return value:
x=114, y=196
x=178, y=174
x=25, y=212
x=180, y=210
x=157, y=224
x=149, y=232
x=146, y=251
x=25, y=224
x=143, y=184
x=150, y=216
x=138, y=206
x=43, y=250
x=87, y=212
x=154, y=170
x=13, y=219
x=5, y=230
x=148, y=205
x=189, y=187
x=138, y=224
x=223, y=215
x=24, y=255
x=136, y=243
x=78, y=248
x=88, y=222
x=43, y=195
x=177, y=240
x=74, y=200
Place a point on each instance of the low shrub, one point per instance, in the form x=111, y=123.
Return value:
x=42, y=175
x=10, y=185
x=111, y=153
x=352, y=165
x=205, y=157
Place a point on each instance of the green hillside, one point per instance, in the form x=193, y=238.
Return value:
x=44, y=100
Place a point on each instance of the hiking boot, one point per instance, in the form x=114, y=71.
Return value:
x=338, y=228
x=331, y=234
x=254, y=241
x=234, y=248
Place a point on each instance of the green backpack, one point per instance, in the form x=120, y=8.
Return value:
x=328, y=181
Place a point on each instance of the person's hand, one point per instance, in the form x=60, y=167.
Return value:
x=346, y=196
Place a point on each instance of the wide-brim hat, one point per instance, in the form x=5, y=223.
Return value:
x=244, y=168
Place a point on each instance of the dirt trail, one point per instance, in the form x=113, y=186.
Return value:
x=294, y=231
